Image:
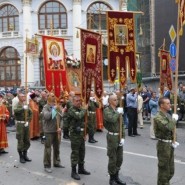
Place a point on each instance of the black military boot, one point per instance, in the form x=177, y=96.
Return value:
x=26, y=157
x=94, y=139
x=112, y=180
x=82, y=170
x=74, y=175
x=118, y=180
x=22, y=160
x=65, y=134
x=91, y=139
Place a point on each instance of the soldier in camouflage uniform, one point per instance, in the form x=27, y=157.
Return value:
x=51, y=127
x=163, y=128
x=111, y=117
x=93, y=105
x=41, y=103
x=65, y=117
x=76, y=117
x=23, y=116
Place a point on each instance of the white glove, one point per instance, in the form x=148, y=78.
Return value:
x=122, y=142
x=175, y=145
x=122, y=97
x=120, y=110
x=93, y=99
x=25, y=107
x=175, y=117
x=26, y=124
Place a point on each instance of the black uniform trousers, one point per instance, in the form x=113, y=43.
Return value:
x=132, y=121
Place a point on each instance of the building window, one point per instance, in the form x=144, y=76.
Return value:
x=41, y=67
x=52, y=12
x=9, y=18
x=96, y=16
x=10, y=68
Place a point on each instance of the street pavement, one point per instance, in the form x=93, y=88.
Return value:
x=139, y=166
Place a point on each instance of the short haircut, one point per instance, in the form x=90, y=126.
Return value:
x=161, y=100
x=153, y=93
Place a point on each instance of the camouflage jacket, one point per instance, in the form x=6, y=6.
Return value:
x=65, y=115
x=20, y=112
x=76, y=118
x=93, y=106
x=164, y=126
x=41, y=103
x=111, y=121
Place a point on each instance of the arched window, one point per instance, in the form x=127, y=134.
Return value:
x=41, y=67
x=10, y=68
x=96, y=16
x=9, y=18
x=52, y=12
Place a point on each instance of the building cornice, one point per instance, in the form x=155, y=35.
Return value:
x=26, y=2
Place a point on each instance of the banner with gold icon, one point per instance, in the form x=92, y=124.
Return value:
x=53, y=58
x=121, y=46
x=91, y=60
x=165, y=71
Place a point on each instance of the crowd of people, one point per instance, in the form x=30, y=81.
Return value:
x=40, y=115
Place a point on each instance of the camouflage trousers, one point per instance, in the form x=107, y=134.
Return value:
x=91, y=126
x=78, y=148
x=114, y=153
x=51, y=140
x=23, y=137
x=165, y=154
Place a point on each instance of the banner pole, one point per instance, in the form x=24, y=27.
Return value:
x=120, y=100
x=176, y=71
x=26, y=74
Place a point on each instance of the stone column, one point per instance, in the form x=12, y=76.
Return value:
x=77, y=17
x=123, y=5
x=27, y=31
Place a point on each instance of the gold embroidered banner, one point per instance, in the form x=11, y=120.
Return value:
x=53, y=58
x=165, y=71
x=121, y=46
x=91, y=57
x=32, y=46
x=181, y=15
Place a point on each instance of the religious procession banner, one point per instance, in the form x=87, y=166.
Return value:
x=165, y=71
x=91, y=60
x=54, y=66
x=121, y=46
x=32, y=46
x=181, y=15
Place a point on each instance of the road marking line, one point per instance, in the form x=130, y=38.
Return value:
x=130, y=153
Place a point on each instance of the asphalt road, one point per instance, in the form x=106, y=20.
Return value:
x=139, y=166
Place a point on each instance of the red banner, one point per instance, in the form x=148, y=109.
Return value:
x=54, y=57
x=121, y=46
x=165, y=71
x=91, y=57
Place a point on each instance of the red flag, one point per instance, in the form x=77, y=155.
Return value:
x=165, y=72
x=121, y=47
x=91, y=57
x=54, y=57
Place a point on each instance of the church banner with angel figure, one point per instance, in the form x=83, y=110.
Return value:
x=121, y=46
x=91, y=57
x=54, y=58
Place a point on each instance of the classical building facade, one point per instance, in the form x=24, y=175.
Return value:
x=21, y=18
